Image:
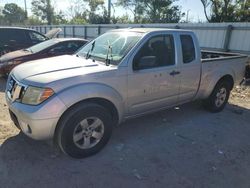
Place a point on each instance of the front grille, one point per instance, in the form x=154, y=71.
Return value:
x=15, y=90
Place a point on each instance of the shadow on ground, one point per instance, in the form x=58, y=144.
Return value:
x=185, y=147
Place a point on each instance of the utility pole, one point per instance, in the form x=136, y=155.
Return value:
x=109, y=10
x=25, y=7
x=187, y=15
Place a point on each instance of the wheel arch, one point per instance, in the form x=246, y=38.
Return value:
x=96, y=100
x=208, y=87
x=228, y=78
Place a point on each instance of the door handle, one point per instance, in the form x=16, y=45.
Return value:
x=173, y=73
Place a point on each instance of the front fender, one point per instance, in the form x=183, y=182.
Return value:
x=77, y=93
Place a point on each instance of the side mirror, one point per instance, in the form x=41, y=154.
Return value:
x=146, y=62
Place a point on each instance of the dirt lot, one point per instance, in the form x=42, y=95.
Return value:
x=181, y=147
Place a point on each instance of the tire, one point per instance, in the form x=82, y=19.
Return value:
x=84, y=130
x=218, y=99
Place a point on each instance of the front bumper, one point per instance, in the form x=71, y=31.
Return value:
x=38, y=122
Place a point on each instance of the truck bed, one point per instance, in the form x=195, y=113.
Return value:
x=213, y=56
x=207, y=56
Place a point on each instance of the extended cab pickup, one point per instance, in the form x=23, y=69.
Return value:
x=121, y=74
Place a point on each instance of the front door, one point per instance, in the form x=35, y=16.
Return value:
x=154, y=80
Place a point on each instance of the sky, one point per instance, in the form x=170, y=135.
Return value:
x=193, y=7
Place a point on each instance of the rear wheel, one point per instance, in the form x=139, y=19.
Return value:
x=84, y=130
x=218, y=98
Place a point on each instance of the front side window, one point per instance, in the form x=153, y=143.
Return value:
x=111, y=45
x=188, y=50
x=158, y=51
x=36, y=36
x=73, y=46
x=60, y=48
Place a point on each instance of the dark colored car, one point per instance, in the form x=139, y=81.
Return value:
x=16, y=38
x=49, y=48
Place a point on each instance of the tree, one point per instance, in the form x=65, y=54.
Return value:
x=13, y=13
x=134, y=6
x=125, y=19
x=227, y=10
x=2, y=20
x=43, y=10
x=59, y=18
x=97, y=13
x=34, y=21
x=153, y=11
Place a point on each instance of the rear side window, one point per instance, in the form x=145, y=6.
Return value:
x=13, y=35
x=188, y=50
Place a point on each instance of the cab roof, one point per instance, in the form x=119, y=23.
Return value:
x=21, y=28
x=148, y=30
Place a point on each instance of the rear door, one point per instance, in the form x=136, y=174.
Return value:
x=14, y=39
x=155, y=86
x=190, y=66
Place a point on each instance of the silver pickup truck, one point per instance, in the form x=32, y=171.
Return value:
x=77, y=99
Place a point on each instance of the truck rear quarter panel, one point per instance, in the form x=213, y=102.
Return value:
x=214, y=70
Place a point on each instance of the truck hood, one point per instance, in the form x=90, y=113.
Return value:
x=48, y=70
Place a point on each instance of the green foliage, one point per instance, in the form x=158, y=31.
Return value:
x=78, y=20
x=152, y=11
x=59, y=18
x=34, y=21
x=43, y=10
x=121, y=19
x=13, y=14
x=2, y=20
x=227, y=10
x=97, y=13
x=94, y=5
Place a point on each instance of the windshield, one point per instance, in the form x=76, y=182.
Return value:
x=111, y=45
x=41, y=46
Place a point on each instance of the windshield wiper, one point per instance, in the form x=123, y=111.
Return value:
x=107, y=60
x=90, y=50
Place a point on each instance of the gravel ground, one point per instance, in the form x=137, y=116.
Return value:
x=181, y=147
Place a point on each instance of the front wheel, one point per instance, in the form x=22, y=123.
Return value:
x=218, y=98
x=84, y=130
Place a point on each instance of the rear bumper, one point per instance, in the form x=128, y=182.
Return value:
x=38, y=122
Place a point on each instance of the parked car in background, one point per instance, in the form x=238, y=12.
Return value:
x=16, y=38
x=48, y=48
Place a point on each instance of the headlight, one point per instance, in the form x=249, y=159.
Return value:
x=36, y=95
